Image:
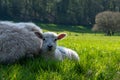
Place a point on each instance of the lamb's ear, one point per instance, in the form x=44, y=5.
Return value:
x=38, y=34
x=61, y=36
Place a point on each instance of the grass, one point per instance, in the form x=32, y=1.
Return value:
x=99, y=59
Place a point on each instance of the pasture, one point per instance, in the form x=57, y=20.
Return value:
x=99, y=58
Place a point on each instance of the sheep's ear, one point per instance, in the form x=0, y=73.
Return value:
x=38, y=34
x=61, y=36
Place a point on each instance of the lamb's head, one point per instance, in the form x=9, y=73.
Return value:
x=50, y=41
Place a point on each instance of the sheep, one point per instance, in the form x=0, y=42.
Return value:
x=16, y=43
x=50, y=50
x=26, y=25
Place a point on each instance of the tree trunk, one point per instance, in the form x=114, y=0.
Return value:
x=112, y=32
x=108, y=33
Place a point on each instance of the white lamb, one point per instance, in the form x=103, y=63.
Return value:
x=16, y=43
x=26, y=25
x=50, y=50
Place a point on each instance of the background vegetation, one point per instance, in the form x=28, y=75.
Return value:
x=80, y=12
x=108, y=22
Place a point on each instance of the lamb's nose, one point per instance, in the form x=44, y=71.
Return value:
x=50, y=46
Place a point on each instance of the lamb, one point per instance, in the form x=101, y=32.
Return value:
x=50, y=50
x=16, y=43
x=26, y=25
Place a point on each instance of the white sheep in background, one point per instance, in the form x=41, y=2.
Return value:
x=26, y=25
x=16, y=43
x=50, y=50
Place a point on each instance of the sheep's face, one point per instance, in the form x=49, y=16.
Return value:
x=50, y=41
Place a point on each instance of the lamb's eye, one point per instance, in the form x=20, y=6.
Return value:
x=55, y=40
x=43, y=39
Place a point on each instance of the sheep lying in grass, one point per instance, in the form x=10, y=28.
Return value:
x=16, y=43
x=26, y=25
x=50, y=50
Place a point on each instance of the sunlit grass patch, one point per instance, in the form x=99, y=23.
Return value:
x=99, y=60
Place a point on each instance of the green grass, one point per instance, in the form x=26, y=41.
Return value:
x=99, y=59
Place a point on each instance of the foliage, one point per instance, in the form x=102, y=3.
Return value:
x=108, y=22
x=56, y=11
x=99, y=60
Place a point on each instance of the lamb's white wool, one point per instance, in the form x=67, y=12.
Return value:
x=26, y=25
x=66, y=53
x=51, y=50
x=18, y=43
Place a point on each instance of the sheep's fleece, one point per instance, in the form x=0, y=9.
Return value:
x=26, y=25
x=16, y=43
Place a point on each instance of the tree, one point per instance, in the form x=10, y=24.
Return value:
x=108, y=22
x=68, y=12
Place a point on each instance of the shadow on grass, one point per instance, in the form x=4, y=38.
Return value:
x=61, y=28
x=32, y=65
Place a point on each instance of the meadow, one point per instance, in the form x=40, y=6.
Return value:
x=99, y=58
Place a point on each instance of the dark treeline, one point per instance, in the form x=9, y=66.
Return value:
x=80, y=12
